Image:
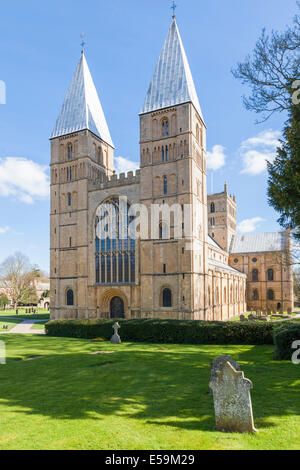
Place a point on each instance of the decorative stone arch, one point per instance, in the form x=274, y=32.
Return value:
x=105, y=201
x=107, y=297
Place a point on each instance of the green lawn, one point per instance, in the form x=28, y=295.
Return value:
x=39, y=326
x=139, y=397
x=43, y=314
x=10, y=322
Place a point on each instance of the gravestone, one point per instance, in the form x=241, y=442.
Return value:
x=243, y=318
x=232, y=400
x=218, y=365
x=115, y=339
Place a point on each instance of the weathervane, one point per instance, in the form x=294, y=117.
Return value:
x=173, y=7
x=82, y=43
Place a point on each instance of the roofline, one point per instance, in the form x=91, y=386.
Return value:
x=216, y=243
x=229, y=268
x=81, y=130
x=254, y=252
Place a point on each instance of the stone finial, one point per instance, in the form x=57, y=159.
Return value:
x=232, y=400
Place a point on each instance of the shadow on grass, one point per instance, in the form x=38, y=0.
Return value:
x=163, y=385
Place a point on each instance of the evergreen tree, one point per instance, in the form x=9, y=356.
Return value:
x=284, y=175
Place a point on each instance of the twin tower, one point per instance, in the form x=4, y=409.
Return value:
x=164, y=277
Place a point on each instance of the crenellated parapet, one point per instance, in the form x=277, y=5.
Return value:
x=116, y=181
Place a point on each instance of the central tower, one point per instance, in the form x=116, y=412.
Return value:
x=173, y=171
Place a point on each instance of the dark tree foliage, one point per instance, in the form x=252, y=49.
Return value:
x=272, y=70
x=284, y=175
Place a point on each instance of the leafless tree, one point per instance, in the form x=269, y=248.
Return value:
x=17, y=277
x=271, y=70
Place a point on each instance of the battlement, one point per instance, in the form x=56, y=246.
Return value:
x=224, y=193
x=114, y=181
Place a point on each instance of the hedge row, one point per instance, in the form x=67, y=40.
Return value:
x=284, y=337
x=166, y=331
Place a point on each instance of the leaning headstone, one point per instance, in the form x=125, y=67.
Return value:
x=232, y=401
x=218, y=365
x=289, y=311
x=115, y=339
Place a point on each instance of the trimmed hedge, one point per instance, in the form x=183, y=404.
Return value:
x=284, y=336
x=166, y=331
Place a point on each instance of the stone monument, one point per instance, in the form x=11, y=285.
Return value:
x=218, y=365
x=115, y=339
x=232, y=400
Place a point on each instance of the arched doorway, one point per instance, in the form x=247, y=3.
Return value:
x=117, y=308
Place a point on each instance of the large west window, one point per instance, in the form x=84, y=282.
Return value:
x=114, y=249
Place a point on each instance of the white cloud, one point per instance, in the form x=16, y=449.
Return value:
x=123, y=165
x=256, y=151
x=249, y=225
x=216, y=158
x=4, y=230
x=23, y=179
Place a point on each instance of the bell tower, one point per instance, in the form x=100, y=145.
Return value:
x=173, y=173
x=222, y=218
x=81, y=151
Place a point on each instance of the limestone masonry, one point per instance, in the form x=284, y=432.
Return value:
x=221, y=275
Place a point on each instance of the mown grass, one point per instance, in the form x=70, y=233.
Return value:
x=141, y=396
x=43, y=314
x=10, y=322
x=39, y=326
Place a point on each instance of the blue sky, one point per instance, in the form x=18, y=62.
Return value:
x=40, y=47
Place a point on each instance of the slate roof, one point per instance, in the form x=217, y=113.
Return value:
x=82, y=109
x=218, y=264
x=213, y=243
x=172, y=82
x=259, y=242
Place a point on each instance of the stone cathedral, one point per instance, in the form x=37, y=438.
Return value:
x=216, y=276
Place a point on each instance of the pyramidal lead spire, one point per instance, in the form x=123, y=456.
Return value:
x=82, y=109
x=172, y=82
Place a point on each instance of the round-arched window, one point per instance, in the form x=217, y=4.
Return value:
x=167, y=298
x=70, y=297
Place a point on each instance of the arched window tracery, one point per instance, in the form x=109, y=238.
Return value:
x=115, y=256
